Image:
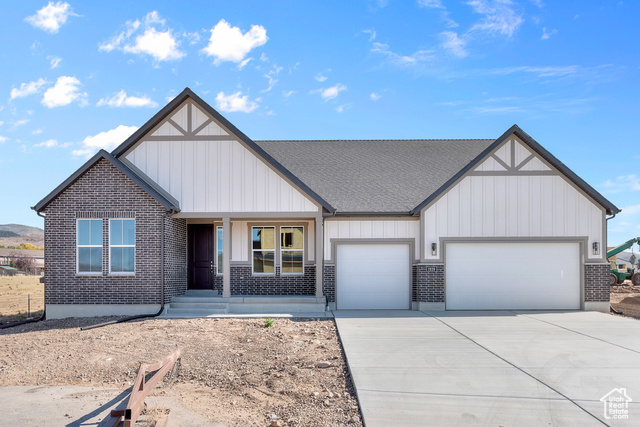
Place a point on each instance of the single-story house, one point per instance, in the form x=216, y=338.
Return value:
x=190, y=202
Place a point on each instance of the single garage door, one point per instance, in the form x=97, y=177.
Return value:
x=501, y=276
x=373, y=276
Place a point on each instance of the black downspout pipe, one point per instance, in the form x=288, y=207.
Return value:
x=142, y=316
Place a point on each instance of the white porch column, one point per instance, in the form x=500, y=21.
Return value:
x=226, y=257
x=319, y=255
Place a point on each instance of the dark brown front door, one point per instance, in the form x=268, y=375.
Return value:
x=201, y=256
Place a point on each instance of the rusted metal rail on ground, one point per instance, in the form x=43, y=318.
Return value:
x=140, y=390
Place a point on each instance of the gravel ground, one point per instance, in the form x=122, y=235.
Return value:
x=233, y=371
x=626, y=298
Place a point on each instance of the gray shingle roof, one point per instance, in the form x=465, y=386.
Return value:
x=375, y=176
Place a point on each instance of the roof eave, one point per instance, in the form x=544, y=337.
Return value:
x=372, y=213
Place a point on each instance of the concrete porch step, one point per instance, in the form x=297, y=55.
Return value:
x=199, y=304
x=188, y=314
x=192, y=300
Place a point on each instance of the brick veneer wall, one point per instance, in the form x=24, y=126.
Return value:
x=596, y=282
x=243, y=283
x=428, y=286
x=103, y=192
x=217, y=282
x=175, y=257
x=329, y=285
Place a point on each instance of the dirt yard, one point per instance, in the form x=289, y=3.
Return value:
x=14, y=300
x=233, y=371
x=626, y=298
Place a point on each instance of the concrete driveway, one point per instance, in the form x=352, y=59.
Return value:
x=493, y=368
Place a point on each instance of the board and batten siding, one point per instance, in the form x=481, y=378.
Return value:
x=493, y=201
x=370, y=229
x=212, y=175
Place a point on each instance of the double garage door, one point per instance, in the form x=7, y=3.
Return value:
x=479, y=276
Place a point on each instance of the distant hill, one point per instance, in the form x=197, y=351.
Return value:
x=5, y=233
x=18, y=230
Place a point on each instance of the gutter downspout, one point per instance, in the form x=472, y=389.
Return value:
x=610, y=306
x=142, y=316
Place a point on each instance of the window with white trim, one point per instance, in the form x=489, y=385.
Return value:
x=292, y=250
x=89, y=245
x=263, y=250
x=122, y=246
x=219, y=247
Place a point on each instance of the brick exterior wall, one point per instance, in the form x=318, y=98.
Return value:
x=329, y=285
x=596, y=282
x=175, y=257
x=428, y=286
x=243, y=283
x=217, y=282
x=103, y=192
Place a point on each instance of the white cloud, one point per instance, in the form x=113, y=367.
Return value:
x=19, y=123
x=548, y=71
x=320, y=78
x=288, y=93
x=437, y=4
x=104, y=140
x=64, y=92
x=242, y=64
x=372, y=34
x=498, y=16
x=52, y=143
x=27, y=89
x=271, y=76
x=343, y=107
x=330, y=92
x=417, y=57
x=444, y=14
x=122, y=100
x=453, y=44
x=147, y=37
x=51, y=17
x=546, y=35
x=227, y=43
x=3, y=139
x=264, y=57
x=161, y=45
x=622, y=183
x=235, y=102
x=375, y=96
x=36, y=132
x=54, y=61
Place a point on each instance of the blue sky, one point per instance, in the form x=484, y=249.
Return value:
x=79, y=76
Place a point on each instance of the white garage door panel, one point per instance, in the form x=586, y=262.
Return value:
x=512, y=276
x=373, y=276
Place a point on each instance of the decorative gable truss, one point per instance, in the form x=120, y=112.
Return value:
x=189, y=123
x=512, y=158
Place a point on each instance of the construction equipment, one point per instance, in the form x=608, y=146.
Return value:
x=616, y=276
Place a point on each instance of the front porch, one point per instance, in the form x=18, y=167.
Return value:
x=253, y=259
x=209, y=303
